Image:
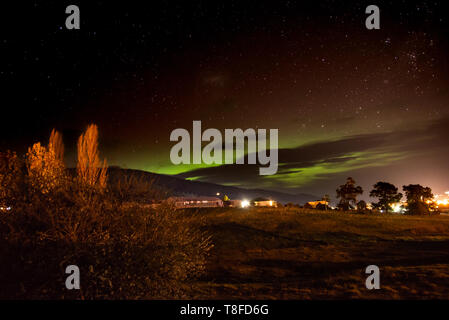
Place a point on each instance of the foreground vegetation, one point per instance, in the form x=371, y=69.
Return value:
x=306, y=254
x=51, y=218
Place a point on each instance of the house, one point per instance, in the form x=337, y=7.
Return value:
x=263, y=202
x=235, y=203
x=314, y=204
x=195, y=202
x=443, y=209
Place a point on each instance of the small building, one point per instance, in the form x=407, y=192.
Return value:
x=314, y=204
x=195, y=202
x=235, y=203
x=444, y=210
x=262, y=202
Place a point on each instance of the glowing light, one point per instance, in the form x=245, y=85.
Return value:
x=396, y=207
x=440, y=200
x=245, y=203
x=271, y=203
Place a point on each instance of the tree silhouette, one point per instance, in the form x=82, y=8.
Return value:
x=387, y=194
x=417, y=198
x=417, y=193
x=347, y=193
x=361, y=205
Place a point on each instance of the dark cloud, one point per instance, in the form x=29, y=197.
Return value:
x=327, y=160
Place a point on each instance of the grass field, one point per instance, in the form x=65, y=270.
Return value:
x=295, y=254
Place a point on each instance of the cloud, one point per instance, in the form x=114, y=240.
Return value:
x=323, y=161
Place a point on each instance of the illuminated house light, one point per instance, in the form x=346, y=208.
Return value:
x=263, y=202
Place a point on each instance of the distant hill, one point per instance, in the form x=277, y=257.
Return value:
x=181, y=187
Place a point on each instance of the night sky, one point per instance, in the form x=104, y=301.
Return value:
x=371, y=104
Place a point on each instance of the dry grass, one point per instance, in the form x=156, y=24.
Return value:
x=303, y=254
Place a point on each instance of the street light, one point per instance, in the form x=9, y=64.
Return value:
x=245, y=203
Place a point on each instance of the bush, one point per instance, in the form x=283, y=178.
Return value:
x=418, y=208
x=123, y=252
x=12, y=179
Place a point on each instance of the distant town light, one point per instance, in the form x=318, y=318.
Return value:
x=271, y=203
x=439, y=200
x=218, y=193
x=245, y=203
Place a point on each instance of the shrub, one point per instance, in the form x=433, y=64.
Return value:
x=12, y=179
x=127, y=185
x=130, y=253
x=45, y=172
x=418, y=208
x=56, y=220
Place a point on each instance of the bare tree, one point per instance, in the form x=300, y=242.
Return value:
x=91, y=171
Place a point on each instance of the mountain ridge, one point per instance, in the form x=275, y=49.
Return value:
x=182, y=187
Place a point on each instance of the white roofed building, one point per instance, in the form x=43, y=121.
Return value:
x=195, y=202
